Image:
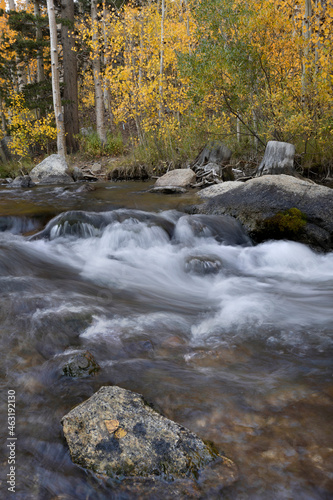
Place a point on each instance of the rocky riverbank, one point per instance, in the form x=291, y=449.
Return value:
x=266, y=207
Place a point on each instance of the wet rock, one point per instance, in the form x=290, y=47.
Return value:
x=258, y=200
x=168, y=190
x=86, y=188
x=180, y=177
x=22, y=182
x=52, y=170
x=77, y=174
x=203, y=265
x=116, y=433
x=81, y=364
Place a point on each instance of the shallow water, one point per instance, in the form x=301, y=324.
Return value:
x=231, y=340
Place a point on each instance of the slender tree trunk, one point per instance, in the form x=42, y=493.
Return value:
x=161, y=110
x=3, y=118
x=71, y=110
x=306, y=53
x=238, y=128
x=20, y=77
x=96, y=66
x=61, y=143
x=39, y=39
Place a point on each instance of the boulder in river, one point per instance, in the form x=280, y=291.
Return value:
x=180, y=177
x=23, y=181
x=81, y=364
x=52, y=170
x=258, y=200
x=116, y=433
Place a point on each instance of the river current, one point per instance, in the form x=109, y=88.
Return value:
x=232, y=340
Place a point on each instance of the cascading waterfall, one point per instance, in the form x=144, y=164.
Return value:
x=226, y=337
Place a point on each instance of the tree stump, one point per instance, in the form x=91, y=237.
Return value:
x=278, y=159
x=213, y=152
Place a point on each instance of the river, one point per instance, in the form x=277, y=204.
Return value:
x=231, y=340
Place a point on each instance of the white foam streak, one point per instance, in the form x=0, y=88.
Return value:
x=281, y=285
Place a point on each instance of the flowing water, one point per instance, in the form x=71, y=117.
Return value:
x=231, y=340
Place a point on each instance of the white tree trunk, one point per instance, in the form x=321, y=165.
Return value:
x=162, y=59
x=55, y=80
x=307, y=41
x=96, y=66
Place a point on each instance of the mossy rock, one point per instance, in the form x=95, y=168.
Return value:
x=286, y=224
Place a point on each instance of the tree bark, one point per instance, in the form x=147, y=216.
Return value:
x=39, y=39
x=61, y=143
x=96, y=66
x=306, y=54
x=161, y=110
x=71, y=111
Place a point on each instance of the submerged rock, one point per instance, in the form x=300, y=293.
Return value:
x=258, y=200
x=81, y=364
x=116, y=433
x=203, y=265
x=52, y=170
x=180, y=177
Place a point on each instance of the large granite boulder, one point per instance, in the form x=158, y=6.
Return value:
x=52, y=170
x=263, y=205
x=217, y=189
x=116, y=433
x=180, y=177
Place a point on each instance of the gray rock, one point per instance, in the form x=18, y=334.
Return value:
x=81, y=364
x=22, y=182
x=259, y=199
x=116, y=433
x=96, y=168
x=52, y=170
x=181, y=177
x=77, y=174
x=217, y=189
x=278, y=159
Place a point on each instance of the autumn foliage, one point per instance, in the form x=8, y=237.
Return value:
x=176, y=73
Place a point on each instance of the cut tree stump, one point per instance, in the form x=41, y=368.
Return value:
x=278, y=159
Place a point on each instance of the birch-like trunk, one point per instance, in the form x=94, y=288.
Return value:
x=96, y=66
x=306, y=52
x=61, y=144
x=161, y=110
x=71, y=110
x=39, y=39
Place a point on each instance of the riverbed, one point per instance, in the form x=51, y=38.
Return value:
x=231, y=340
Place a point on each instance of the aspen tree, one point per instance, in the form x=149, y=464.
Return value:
x=96, y=66
x=61, y=143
